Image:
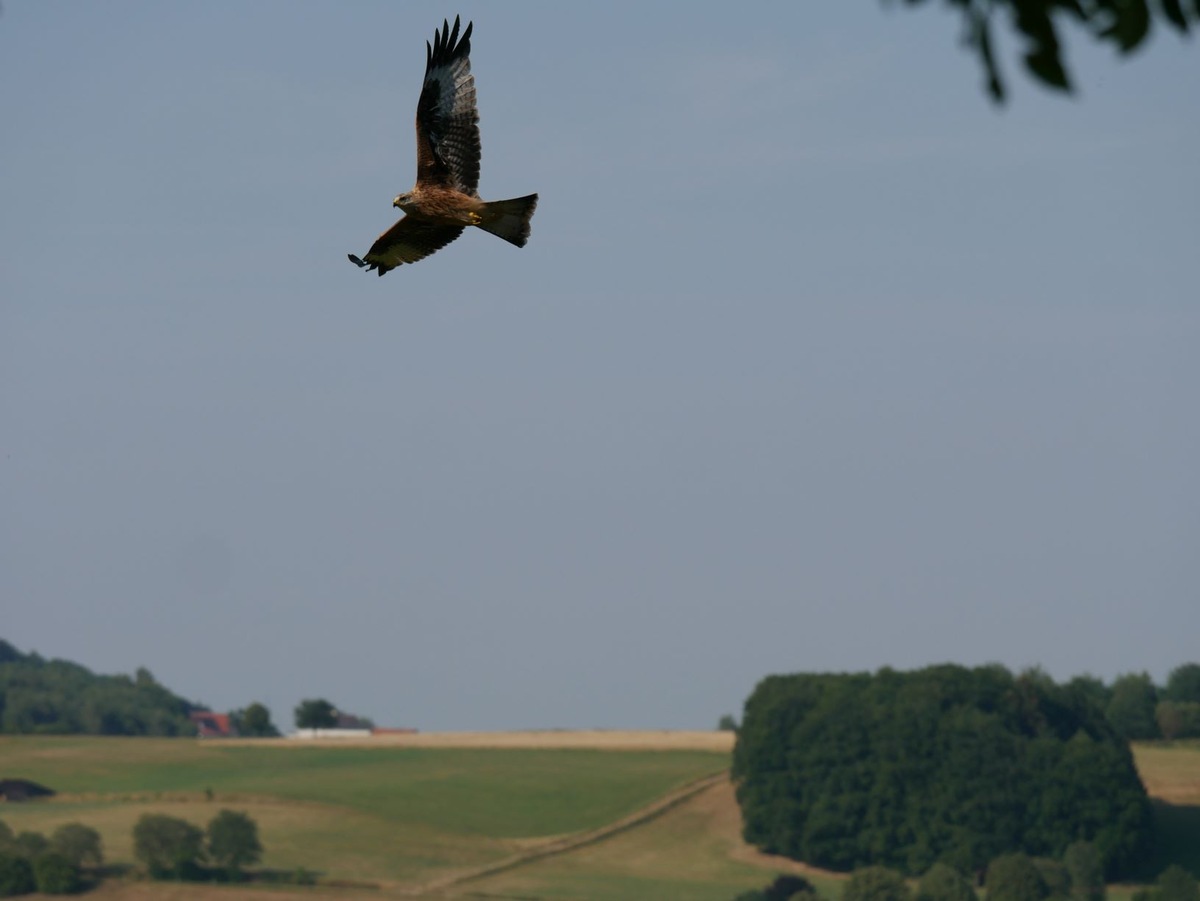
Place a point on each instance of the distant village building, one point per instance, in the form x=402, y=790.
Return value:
x=212, y=725
x=332, y=732
x=348, y=725
x=351, y=721
x=348, y=733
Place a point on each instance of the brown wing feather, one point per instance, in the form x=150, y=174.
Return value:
x=448, y=147
x=407, y=241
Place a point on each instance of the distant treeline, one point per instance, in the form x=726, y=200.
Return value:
x=1140, y=710
x=59, y=697
x=949, y=764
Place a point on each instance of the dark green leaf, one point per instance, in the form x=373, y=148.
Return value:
x=1048, y=68
x=984, y=40
x=1174, y=12
x=1073, y=7
x=1131, y=25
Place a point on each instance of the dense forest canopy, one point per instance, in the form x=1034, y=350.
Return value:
x=942, y=764
x=59, y=697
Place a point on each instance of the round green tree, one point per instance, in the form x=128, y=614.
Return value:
x=56, y=875
x=255, y=722
x=31, y=844
x=16, y=875
x=1085, y=868
x=875, y=884
x=1176, y=884
x=315, y=714
x=1014, y=877
x=233, y=841
x=168, y=846
x=1131, y=707
x=1183, y=683
x=942, y=882
x=78, y=843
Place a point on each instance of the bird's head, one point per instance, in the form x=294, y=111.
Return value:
x=403, y=201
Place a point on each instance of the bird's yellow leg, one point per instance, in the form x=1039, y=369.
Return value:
x=475, y=218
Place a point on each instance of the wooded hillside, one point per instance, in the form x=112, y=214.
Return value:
x=945, y=763
x=59, y=697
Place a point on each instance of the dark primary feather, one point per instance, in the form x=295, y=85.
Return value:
x=448, y=146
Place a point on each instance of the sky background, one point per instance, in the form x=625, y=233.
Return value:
x=816, y=359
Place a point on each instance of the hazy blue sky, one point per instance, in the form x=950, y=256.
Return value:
x=816, y=360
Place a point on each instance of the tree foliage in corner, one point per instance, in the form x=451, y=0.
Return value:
x=946, y=763
x=1124, y=24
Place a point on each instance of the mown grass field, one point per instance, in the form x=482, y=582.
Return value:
x=403, y=817
x=391, y=815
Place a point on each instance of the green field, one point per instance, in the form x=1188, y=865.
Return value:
x=388, y=815
x=402, y=818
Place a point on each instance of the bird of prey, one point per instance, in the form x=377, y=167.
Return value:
x=444, y=200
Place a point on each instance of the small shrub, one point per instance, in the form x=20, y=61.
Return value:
x=168, y=846
x=786, y=888
x=78, y=843
x=942, y=882
x=875, y=884
x=1085, y=868
x=1176, y=884
x=1014, y=877
x=233, y=841
x=1055, y=877
x=56, y=875
x=16, y=875
x=31, y=844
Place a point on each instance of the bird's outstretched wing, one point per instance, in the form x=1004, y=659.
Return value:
x=407, y=241
x=448, y=148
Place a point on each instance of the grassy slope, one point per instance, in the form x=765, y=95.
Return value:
x=389, y=814
x=399, y=815
x=696, y=851
x=691, y=853
x=498, y=793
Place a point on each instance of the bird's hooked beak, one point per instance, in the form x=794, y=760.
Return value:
x=400, y=200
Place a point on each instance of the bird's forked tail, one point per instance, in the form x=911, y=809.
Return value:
x=509, y=219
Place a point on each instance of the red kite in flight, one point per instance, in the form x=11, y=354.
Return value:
x=444, y=200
